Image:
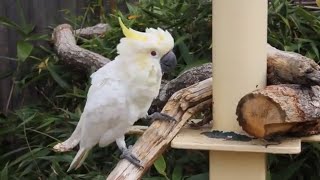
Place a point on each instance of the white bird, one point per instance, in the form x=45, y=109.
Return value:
x=121, y=92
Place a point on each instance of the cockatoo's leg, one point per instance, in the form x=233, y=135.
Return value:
x=126, y=152
x=159, y=116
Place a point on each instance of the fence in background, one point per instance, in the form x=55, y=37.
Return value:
x=43, y=14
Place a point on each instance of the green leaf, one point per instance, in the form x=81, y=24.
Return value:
x=10, y=24
x=177, y=173
x=37, y=37
x=316, y=146
x=24, y=50
x=62, y=83
x=287, y=172
x=24, y=156
x=160, y=165
x=154, y=178
x=315, y=49
x=26, y=120
x=187, y=57
x=202, y=176
x=4, y=173
x=194, y=64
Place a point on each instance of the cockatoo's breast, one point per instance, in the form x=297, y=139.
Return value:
x=144, y=86
x=139, y=84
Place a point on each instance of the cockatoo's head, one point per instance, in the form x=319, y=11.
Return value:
x=154, y=44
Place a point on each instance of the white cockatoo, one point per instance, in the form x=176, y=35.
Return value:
x=122, y=91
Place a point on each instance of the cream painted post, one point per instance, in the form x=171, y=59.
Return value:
x=239, y=67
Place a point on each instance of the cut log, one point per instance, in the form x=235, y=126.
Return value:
x=289, y=109
x=182, y=106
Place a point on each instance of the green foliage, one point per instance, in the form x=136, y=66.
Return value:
x=189, y=21
x=292, y=28
x=28, y=134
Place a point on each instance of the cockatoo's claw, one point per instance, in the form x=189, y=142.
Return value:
x=61, y=147
x=127, y=154
x=160, y=116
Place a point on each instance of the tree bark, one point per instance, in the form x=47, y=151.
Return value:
x=291, y=68
x=286, y=109
x=90, y=32
x=283, y=67
x=72, y=54
x=182, y=106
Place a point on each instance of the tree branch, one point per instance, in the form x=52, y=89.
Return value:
x=97, y=30
x=72, y=54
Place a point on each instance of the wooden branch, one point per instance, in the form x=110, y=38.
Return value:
x=291, y=68
x=182, y=106
x=97, y=30
x=186, y=79
x=281, y=110
x=137, y=130
x=283, y=67
x=72, y=54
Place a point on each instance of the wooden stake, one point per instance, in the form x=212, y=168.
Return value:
x=239, y=67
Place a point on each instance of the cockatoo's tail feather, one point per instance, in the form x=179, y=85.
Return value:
x=78, y=160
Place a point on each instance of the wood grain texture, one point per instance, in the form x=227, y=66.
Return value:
x=285, y=109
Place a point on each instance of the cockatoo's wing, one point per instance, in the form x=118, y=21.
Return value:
x=106, y=108
x=105, y=116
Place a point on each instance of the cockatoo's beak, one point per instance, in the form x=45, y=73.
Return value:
x=168, y=62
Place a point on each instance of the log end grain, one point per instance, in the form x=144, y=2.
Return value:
x=279, y=110
x=255, y=111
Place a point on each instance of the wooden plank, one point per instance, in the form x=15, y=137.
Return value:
x=193, y=139
x=314, y=138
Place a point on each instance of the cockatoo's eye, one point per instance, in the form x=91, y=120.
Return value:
x=153, y=53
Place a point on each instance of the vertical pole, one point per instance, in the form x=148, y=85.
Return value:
x=239, y=67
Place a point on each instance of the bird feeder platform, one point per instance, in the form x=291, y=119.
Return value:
x=314, y=138
x=189, y=138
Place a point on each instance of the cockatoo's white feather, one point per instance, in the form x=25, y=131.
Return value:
x=121, y=92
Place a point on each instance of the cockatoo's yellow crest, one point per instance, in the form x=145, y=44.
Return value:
x=130, y=33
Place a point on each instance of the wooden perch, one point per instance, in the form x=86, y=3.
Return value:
x=182, y=106
x=71, y=53
x=287, y=109
x=97, y=30
x=291, y=68
x=283, y=67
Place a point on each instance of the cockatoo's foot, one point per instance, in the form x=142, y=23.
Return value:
x=62, y=147
x=160, y=116
x=127, y=154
